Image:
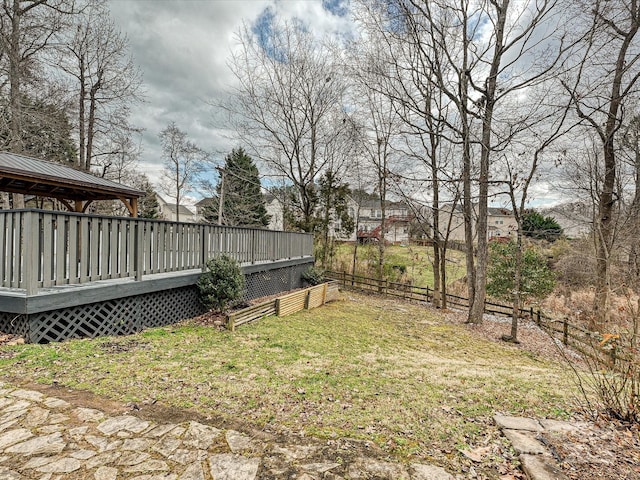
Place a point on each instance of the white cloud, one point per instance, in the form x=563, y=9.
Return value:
x=182, y=48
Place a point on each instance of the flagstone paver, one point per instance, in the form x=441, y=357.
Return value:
x=524, y=442
x=43, y=437
x=525, y=435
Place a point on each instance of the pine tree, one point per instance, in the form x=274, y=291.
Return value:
x=536, y=225
x=242, y=200
x=148, y=205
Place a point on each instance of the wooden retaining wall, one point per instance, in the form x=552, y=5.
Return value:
x=307, y=298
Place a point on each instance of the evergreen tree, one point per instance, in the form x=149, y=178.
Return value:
x=536, y=225
x=148, y=205
x=239, y=188
x=537, y=279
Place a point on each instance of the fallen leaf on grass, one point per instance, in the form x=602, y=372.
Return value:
x=477, y=454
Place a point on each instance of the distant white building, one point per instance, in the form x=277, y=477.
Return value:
x=501, y=223
x=271, y=203
x=576, y=218
x=167, y=211
x=275, y=210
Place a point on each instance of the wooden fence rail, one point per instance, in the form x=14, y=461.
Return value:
x=583, y=340
x=43, y=248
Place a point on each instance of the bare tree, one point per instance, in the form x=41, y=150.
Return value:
x=182, y=159
x=520, y=165
x=477, y=66
x=379, y=125
x=287, y=108
x=105, y=82
x=414, y=76
x=604, y=81
x=631, y=153
x=27, y=28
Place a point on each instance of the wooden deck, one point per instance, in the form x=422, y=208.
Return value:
x=42, y=249
x=66, y=275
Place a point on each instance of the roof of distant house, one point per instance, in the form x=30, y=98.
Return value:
x=205, y=202
x=28, y=175
x=376, y=204
x=184, y=209
x=499, y=212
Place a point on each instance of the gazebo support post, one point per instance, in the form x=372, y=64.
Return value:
x=131, y=204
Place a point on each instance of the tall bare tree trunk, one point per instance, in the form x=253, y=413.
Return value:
x=467, y=201
x=382, y=186
x=82, y=153
x=476, y=311
x=607, y=200
x=16, y=144
x=439, y=260
x=91, y=126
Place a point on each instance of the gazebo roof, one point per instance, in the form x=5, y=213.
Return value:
x=27, y=175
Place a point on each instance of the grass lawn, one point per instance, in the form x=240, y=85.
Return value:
x=362, y=367
x=415, y=261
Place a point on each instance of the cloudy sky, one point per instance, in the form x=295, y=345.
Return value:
x=182, y=49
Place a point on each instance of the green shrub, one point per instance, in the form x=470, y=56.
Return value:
x=222, y=285
x=536, y=278
x=313, y=276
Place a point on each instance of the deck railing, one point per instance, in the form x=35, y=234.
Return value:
x=44, y=249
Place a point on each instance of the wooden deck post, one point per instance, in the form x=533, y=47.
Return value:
x=253, y=246
x=31, y=253
x=138, y=250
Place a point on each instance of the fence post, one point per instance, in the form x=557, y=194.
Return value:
x=565, y=332
x=307, y=299
x=138, y=250
x=253, y=246
x=31, y=253
x=203, y=248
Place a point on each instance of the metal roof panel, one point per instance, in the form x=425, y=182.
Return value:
x=33, y=168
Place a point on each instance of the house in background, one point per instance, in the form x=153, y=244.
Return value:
x=167, y=211
x=501, y=223
x=275, y=210
x=368, y=216
x=202, y=205
x=271, y=202
x=576, y=218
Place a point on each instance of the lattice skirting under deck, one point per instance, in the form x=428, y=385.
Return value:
x=123, y=316
x=14, y=323
x=272, y=282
